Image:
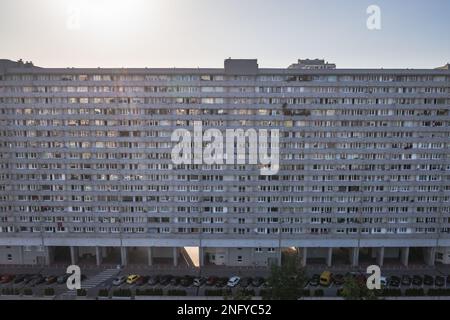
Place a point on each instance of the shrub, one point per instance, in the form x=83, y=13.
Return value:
x=27, y=292
x=438, y=292
x=265, y=294
x=81, y=293
x=391, y=293
x=149, y=292
x=246, y=292
x=122, y=293
x=49, y=292
x=414, y=292
x=103, y=293
x=215, y=293
x=318, y=293
x=176, y=292
x=10, y=291
x=306, y=293
x=339, y=293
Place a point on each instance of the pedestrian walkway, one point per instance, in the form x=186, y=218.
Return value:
x=92, y=282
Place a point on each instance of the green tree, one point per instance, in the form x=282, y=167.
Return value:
x=286, y=282
x=356, y=290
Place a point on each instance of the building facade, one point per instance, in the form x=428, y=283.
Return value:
x=86, y=168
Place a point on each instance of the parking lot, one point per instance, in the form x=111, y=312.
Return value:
x=167, y=279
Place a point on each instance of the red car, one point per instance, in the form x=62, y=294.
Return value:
x=7, y=278
x=211, y=281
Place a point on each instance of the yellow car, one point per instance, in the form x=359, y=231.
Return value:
x=325, y=278
x=132, y=278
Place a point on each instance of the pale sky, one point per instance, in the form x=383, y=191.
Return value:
x=202, y=33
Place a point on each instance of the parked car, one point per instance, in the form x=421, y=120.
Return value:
x=29, y=278
x=142, y=280
x=406, y=280
x=221, y=282
x=62, y=278
x=154, y=280
x=233, y=281
x=50, y=279
x=20, y=278
x=314, y=281
x=37, y=281
x=119, y=280
x=211, y=281
x=198, y=282
x=428, y=280
x=362, y=279
x=417, y=280
x=325, y=278
x=6, y=278
x=257, y=282
x=338, y=279
x=132, y=278
x=352, y=275
x=394, y=281
x=245, y=282
x=165, y=280
x=175, y=281
x=439, y=281
x=187, y=281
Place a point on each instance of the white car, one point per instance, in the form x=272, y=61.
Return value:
x=119, y=280
x=233, y=281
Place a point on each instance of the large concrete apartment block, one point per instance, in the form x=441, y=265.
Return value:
x=86, y=169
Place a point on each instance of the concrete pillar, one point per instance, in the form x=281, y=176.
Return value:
x=104, y=252
x=201, y=256
x=304, y=257
x=279, y=256
x=354, y=257
x=430, y=256
x=150, y=256
x=380, y=256
x=21, y=260
x=405, y=256
x=98, y=256
x=73, y=255
x=330, y=257
x=175, y=256
x=123, y=256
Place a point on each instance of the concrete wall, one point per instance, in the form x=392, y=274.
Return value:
x=317, y=252
x=159, y=252
x=22, y=255
x=443, y=255
x=391, y=252
x=241, y=256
